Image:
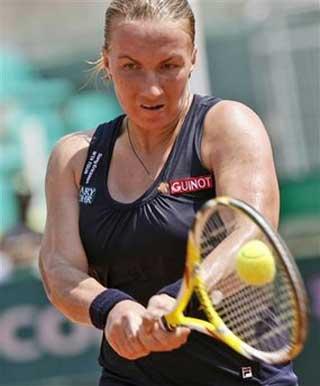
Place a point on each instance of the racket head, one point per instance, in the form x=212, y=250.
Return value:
x=268, y=321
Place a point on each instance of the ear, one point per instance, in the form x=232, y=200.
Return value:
x=106, y=62
x=194, y=57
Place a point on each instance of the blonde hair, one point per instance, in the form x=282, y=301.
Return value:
x=132, y=10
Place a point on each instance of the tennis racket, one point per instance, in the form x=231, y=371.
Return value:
x=266, y=322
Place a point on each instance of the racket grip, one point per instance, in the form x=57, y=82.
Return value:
x=165, y=325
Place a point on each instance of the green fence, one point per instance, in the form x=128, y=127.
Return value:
x=306, y=364
x=38, y=346
x=37, y=343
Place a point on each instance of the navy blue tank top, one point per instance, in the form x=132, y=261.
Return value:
x=140, y=247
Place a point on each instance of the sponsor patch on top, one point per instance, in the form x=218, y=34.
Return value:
x=87, y=195
x=187, y=185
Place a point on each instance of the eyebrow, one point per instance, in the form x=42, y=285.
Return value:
x=134, y=60
x=126, y=57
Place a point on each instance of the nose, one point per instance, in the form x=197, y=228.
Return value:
x=151, y=88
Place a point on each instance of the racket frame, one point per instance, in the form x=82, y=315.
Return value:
x=214, y=326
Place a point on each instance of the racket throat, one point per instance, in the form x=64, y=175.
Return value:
x=171, y=321
x=166, y=325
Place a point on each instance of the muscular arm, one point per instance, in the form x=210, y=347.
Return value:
x=237, y=149
x=63, y=263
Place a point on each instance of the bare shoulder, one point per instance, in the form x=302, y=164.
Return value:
x=232, y=126
x=232, y=117
x=71, y=144
x=237, y=149
x=69, y=154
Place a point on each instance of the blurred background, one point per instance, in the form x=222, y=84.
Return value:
x=264, y=53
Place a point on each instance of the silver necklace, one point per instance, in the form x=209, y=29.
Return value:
x=135, y=152
x=134, y=149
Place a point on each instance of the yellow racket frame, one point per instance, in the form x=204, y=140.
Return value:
x=214, y=326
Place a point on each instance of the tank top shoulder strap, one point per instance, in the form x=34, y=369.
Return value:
x=101, y=143
x=204, y=105
x=187, y=153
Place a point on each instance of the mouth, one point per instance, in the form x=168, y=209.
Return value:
x=152, y=107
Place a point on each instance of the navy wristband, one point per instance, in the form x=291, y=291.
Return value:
x=102, y=305
x=171, y=289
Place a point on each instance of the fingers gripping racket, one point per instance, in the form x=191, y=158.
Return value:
x=246, y=282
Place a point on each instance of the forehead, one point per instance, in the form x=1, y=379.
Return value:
x=150, y=37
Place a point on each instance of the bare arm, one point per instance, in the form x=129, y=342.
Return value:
x=63, y=262
x=237, y=149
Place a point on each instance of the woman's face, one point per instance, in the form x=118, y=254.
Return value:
x=150, y=63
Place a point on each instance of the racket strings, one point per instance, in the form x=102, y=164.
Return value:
x=266, y=322
x=213, y=233
x=262, y=316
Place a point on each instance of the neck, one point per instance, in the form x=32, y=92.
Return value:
x=147, y=141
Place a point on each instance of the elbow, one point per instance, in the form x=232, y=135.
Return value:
x=48, y=277
x=272, y=209
x=56, y=287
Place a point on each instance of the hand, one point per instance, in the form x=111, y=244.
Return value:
x=152, y=335
x=121, y=331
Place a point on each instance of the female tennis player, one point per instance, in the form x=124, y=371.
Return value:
x=121, y=199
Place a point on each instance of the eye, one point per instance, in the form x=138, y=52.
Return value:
x=169, y=66
x=130, y=66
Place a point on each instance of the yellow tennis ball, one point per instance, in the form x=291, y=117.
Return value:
x=255, y=263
